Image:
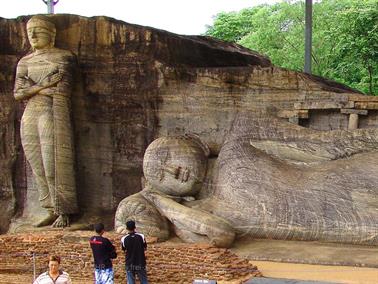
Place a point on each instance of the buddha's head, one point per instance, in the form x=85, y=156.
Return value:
x=176, y=165
x=41, y=32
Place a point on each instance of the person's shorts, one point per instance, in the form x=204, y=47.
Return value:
x=104, y=276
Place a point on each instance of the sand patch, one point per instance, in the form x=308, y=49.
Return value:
x=336, y=274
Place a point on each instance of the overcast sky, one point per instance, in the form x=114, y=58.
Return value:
x=178, y=16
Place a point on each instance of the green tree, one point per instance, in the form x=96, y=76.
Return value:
x=345, y=37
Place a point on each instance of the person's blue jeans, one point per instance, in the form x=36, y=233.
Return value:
x=142, y=275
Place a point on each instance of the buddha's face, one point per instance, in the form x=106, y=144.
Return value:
x=39, y=37
x=41, y=32
x=175, y=166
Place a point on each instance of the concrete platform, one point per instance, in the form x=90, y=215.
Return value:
x=307, y=252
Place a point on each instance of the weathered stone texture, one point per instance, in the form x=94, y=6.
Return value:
x=299, y=184
x=137, y=83
x=9, y=136
x=115, y=102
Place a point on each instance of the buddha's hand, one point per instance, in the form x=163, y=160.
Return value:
x=52, y=80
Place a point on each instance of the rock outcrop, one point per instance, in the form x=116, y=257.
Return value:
x=303, y=185
x=138, y=83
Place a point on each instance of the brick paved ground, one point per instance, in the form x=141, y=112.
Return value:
x=168, y=262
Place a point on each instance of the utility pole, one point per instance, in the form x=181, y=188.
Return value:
x=308, y=36
x=50, y=5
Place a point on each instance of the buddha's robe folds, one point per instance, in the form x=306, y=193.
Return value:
x=46, y=129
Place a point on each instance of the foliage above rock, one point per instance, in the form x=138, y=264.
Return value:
x=345, y=37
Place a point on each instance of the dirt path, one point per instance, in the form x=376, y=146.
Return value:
x=316, y=253
x=337, y=274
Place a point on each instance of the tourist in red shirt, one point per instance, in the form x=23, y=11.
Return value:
x=103, y=253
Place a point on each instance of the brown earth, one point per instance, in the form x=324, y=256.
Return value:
x=337, y=274
x=316, y=261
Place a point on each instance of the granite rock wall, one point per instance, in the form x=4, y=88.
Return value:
x=137, y=83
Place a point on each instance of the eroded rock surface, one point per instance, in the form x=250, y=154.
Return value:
x=174, y=168
x=268, y=190
x=44, y=79
x=138, y=83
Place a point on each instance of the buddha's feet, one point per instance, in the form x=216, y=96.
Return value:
x=48, y=220
x=61, y=222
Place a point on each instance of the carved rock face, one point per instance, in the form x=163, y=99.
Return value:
x=41, y=32
x=44, y=79
x=175, y=166
x=137, y=83
x=264, y=194
x=39, y=37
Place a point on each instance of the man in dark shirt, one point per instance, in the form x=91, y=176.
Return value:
x=103, y=253
x=134, y=245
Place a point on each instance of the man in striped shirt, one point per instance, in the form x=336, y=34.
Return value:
x=54, y=275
